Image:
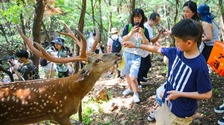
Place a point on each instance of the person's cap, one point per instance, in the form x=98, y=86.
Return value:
x=113, y=30
x=58, y=41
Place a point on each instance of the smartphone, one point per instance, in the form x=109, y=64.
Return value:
x=136, y=23
x=161, y=29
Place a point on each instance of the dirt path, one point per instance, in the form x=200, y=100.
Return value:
x=121, y=110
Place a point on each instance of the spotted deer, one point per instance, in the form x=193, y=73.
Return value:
x=55, y=99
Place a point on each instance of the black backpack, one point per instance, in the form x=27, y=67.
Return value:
x=43, y=62
x=116, y=46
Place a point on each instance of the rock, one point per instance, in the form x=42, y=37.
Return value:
x=101, y=95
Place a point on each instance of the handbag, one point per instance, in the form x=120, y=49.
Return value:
x=216, y=58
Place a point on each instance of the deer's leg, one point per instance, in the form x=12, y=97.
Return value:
x=63, y=121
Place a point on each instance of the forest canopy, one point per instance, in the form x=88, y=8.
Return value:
x=97, y=13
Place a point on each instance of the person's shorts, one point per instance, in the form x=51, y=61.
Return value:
x=159, y=91
x=132, y=64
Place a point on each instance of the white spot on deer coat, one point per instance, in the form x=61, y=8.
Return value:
x=65, y=97
x=8, y=98
x=13, y=98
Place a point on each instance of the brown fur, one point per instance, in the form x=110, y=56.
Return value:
x=51, y=99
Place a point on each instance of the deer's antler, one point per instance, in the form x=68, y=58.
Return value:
x=70, y=34
x=97, y=39
x=43, y=54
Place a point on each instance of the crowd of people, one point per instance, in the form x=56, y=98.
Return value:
x=188, y=76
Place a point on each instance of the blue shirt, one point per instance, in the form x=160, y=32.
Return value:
x=185, y=75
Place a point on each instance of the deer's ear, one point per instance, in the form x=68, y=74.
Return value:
x=84, y=73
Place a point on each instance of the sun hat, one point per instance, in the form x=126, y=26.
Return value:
x=204, y=12
x=113, y=30
x=204, y=9
x=59, y=41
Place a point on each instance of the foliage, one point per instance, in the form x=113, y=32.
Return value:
x=90, y=109
x=16, y=11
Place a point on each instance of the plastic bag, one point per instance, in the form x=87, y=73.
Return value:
x=122, y=63
x=216, y=58
x=162, y=115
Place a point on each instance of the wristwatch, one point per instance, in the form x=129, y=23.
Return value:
x=137, y=44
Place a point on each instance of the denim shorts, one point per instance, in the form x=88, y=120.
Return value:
x=160, y=90
x=132, y=65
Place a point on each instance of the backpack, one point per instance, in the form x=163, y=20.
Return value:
x=34, y=73
x=116, y=45
x=43, y=62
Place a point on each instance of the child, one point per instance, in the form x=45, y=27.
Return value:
x=188, y=76
x=28, y=70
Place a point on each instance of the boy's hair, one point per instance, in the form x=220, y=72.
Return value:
x=153, y=16
x=22, y=53
x=188, y=29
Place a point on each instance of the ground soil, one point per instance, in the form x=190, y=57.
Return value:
x=121, y=110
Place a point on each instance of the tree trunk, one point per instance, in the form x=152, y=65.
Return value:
x=101, y=22
x=81, y=25
x=110, y=18
x=4, y=33
x=93, y=17
x=221, y=8
x=22, y=24
x=39, y=12
x=132, y=8
x=176, y=14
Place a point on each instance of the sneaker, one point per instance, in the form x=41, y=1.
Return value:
x=136, y=98
x=221, y=121
x=144, y=79
x=139, y=86
x=127, y=91
x=219, y=109
x=151, y=116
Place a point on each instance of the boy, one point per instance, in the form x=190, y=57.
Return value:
x=188, y=76
x=28, y=70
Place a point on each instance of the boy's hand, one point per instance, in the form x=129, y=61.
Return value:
x=129, y=44
x=172, y=95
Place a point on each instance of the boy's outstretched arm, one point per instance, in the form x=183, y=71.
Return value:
x=172, y=95
x=150, y=48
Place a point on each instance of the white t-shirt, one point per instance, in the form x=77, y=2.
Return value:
x=149, y=28
x=51, y=65
x=89, y=44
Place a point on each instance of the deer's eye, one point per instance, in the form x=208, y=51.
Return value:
x=98, y=60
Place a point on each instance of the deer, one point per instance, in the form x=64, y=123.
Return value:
x=54, y=99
